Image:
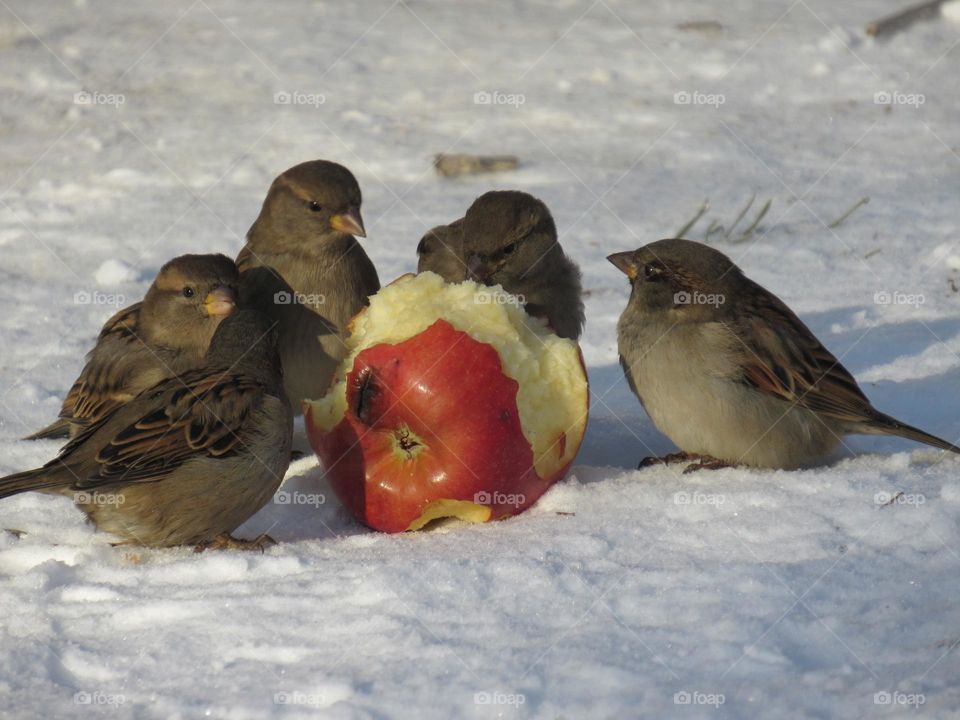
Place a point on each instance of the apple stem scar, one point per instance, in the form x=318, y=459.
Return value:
x=407, y=441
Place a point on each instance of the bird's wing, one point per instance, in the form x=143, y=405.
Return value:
x=247, y=259
x=201, y=413
x=782, y=357
x=100, y=388
x=123, y=323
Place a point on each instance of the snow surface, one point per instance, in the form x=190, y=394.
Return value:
x=622, y=593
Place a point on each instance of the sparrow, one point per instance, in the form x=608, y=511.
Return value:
x=728, y=372
x=509, y=239
x=439, y=252
x=303, y=268
x=166, y=333
x=190, y=459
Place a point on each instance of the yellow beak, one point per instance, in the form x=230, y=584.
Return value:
x=623, y=261
x=220, y=301
x=349, y=222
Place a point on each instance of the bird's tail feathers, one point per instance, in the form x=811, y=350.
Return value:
x=886, y=425
x=29, y=480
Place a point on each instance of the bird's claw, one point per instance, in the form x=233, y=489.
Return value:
x=668, y=459
x=226, y=541
x=706, y=462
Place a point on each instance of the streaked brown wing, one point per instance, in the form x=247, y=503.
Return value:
x=246, y=260
x=123, y=323
x=100, y=388
x=783, y=358
x=204, y=414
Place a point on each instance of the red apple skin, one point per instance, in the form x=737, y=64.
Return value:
x=446, y=393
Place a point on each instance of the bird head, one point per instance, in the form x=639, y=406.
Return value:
x=310, y=204
x=689, y=280
x=189, y=298
x=506, y=236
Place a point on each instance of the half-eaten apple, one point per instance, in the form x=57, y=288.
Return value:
x=451, y=402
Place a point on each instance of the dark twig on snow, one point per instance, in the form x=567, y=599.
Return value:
x=460, y=164
x=903, y=19
x=693, y=221
x=840, y=220
x=717, y=228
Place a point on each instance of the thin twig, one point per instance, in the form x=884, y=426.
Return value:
x=901, y=20
x=713, y=227
x=740, y=216
x=693, y=221
x=753, y=226
x=860, y=203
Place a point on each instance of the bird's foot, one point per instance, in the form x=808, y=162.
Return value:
x=705, y=462
x=226, y=541
x=668, y=459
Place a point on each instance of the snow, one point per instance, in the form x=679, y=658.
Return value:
x=135, y=132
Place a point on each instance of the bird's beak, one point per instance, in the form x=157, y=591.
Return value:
x=349, y=222
x=476, y=269
x=220, y=301
x=623, y=261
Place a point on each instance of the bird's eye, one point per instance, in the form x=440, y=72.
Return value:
x=314, y=206
x=508, y=250
x=653, y=271
x=188, y=292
